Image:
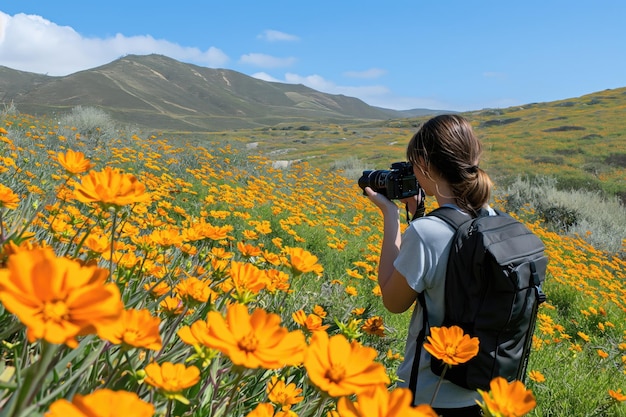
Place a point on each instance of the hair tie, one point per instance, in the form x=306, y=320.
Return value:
x=472, y=169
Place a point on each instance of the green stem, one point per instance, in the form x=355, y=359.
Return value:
x=166, y=340
x=94, y=356
x=2, y=237
x=231, y=395
x=318, y=408
x=439, y=384
x=33, y=381
x=112, y=250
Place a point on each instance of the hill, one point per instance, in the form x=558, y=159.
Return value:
x=161, y=93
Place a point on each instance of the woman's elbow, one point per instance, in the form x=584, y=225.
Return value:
x=393, y=306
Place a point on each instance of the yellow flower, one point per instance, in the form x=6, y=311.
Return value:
x=340, y=368
x=102, y=403
x=254, y=340
x=506, y=399
x=283, y=394
x=172, y=379
x=8, y=198
x=74, y=162
x=379, y=402
x=352, y=291
x=450, y=345
x=536, y=376
x=57, y=298
x=111, y=187
x=134, y=328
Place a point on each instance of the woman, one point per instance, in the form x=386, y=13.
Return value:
x=444, y=154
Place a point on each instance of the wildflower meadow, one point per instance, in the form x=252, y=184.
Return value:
x=144, y=277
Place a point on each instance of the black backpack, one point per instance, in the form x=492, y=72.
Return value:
x=493, y=287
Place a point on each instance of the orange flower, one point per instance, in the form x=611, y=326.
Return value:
x=74, y=162
x=379, y=402
x=262, y=410
x=193, y=290
x=340, y=368
x=602, y=354
x=536, y=376
x=450, y=345
x=134, y=328
x=302, y=261
x=111, y=187
x=374, y=326
x=102, y=403
x=617, y=395
x=248, y=251
x=247, y=279
x=57, y=298
x=255, y=340
x=172, y=306
x=196, y=334
x=311, y=322
x=276, y=281
x=507, y=399
x=283, y=394
x=8, y=198
x=172, y=379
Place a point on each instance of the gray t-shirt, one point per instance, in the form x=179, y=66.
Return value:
x=422, y=261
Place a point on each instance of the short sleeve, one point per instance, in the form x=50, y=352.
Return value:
x=421, y=250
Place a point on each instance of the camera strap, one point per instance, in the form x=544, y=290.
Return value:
x=421, y=209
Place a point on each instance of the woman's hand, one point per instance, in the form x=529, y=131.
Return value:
x=383, y=203
x=412, y=203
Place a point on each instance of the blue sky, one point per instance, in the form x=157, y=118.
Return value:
x=452, y=55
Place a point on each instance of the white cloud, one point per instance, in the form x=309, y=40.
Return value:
x=32, y=43
x=266, y=61
x=263, y=76
x=276, y=36
x=374, y=95
x=368, y=74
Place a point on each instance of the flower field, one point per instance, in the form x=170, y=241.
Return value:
x=139, y=277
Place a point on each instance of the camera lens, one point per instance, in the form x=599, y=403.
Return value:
x=376, y=180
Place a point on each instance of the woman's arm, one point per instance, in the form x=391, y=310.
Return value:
x=398, y=296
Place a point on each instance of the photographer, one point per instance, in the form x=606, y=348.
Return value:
x=444, y=155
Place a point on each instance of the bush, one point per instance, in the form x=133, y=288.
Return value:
x=351, y=167
x=93, y=126
x=589, y=214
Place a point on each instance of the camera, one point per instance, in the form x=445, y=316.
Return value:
x=396, y=183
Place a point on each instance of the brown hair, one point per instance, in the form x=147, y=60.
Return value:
x=448, y=143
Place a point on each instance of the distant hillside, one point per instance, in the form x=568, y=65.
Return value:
x=161, y=93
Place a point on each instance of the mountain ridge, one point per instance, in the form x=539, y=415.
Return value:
x=161, y=93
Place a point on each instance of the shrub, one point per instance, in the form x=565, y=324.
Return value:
x=588, y=213
x=90, y=124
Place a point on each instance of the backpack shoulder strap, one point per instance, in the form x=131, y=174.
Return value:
x=451, y=216
x=421, y=337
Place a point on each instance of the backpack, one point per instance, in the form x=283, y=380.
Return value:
x=492, y=291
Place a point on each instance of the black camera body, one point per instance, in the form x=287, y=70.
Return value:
x=396, y=183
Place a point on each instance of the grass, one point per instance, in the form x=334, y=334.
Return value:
x=580, y=341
